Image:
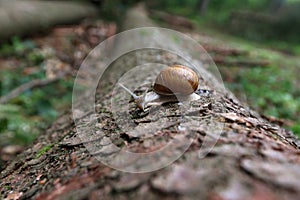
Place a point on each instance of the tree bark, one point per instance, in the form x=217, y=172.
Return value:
x=19, y=18
x=253, y=159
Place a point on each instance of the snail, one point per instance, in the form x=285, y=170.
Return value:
x=174, y=83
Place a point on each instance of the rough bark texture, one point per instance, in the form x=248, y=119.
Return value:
x=253, y=159
x=25, y=17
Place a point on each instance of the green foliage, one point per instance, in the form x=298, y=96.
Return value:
x=185, y=8
x=11, y=79
x=25, y=116
x=217, y=10
x=44, y=150
x=273, y=90
x=23, y=50
x=296, y=129
x=270, y=90
x=220, y=12
x=282, y=34
x=265, y=25
x=16, y=47
x=115, y=9
x=288, y=26
x=16, y=128
x=229, y=5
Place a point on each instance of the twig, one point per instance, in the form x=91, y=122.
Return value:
x=224, y=51
x=30, y=85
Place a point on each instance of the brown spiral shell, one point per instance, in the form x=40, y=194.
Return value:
x=176, y=80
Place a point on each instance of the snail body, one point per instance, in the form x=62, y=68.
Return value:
x=174, y=83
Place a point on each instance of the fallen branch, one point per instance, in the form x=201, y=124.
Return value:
x=173, y=20
x=38, y=83
x=240, y=63
x=224, y=51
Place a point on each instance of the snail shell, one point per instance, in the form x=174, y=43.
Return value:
x=176, y=80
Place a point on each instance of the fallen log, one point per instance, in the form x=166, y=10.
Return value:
x=252, y=159
x=20, y=18
x=224, y=51
x=173, y=20
x=222, y=61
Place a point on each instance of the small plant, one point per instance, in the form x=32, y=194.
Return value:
x=44, y=150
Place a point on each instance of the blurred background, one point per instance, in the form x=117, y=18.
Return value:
x=255, y=44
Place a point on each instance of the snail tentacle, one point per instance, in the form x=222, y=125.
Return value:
x=141, y=101
x=129, y=91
